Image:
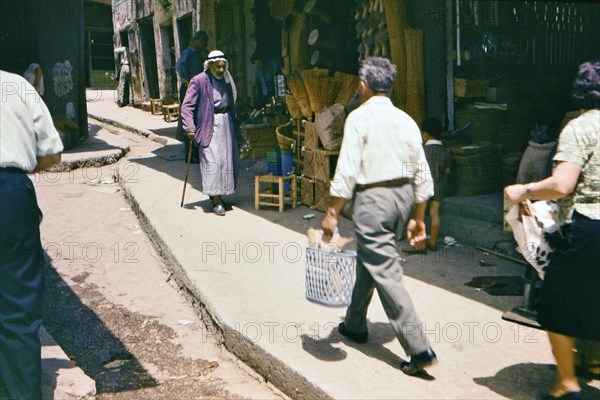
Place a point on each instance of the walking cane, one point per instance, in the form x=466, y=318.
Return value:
x=187, y=171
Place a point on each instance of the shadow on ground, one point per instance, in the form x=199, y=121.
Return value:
x=516, y=381
x=86, y=340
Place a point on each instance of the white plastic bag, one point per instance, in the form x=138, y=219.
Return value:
x=531, y=224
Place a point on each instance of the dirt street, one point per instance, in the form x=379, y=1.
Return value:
x=112, y=307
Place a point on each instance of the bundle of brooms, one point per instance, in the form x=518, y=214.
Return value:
x=300, y=94
x=415, y=75
x=396, y=16
x=293, y=106
x=314, y=73
x=314, y=90
x=321, y=92
x=347, y=87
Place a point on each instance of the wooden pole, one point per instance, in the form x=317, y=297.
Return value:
x=507, y=257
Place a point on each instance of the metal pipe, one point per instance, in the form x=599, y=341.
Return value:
x=449, y=67
x=458, y=58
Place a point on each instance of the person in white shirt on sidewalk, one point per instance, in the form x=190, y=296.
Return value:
x=382, y=164
x=28, y=143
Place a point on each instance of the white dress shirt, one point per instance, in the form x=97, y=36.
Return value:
x=381, y=142
x=26, y=127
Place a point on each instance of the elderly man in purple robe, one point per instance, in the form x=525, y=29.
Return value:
x=209, y=117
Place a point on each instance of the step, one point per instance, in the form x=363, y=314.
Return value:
x=483, y=207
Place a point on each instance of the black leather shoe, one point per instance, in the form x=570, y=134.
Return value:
x=419, y=362
x=432, y=247
x=566, y=396
x=414, y=250
x=356, y=337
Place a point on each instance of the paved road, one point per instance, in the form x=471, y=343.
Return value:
x=238, y=272
x=111, y=305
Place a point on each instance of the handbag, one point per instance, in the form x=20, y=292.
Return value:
x=535, y=227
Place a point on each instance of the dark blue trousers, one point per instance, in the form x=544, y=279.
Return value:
x=21, y=288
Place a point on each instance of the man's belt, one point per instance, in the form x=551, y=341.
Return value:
x=223, y=110
x=13, y=170
x=391, y=183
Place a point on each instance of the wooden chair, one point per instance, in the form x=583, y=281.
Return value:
x=156, y=106
x=264, y=193
x=170, y=112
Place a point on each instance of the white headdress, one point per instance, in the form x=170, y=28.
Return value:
x=217, y=55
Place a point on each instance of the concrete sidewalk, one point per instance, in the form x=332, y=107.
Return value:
x=245, y=273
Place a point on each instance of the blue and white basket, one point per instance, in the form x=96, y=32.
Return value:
x=330, y=276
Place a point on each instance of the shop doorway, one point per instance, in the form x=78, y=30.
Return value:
x=167, y=39
x=99, y=58
x=130, y=39
x=184, y=32
x=149, y=57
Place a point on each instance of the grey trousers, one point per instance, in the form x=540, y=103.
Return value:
x=124, y=89
x=380, y=215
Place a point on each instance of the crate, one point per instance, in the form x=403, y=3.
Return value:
x=311, y=137
x=329, y=276
x=307, y=191
x=320, y=164
x=322, y=196
x=470, y=87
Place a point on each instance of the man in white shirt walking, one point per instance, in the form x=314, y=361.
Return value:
x=382, y=163
x=28, y=143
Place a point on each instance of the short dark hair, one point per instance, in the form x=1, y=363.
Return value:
x=586, y=87
x=433, y=127
x=378, y=73
x=200, y=35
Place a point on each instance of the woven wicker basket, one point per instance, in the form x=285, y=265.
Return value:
x=285, y=142
x=329, y=276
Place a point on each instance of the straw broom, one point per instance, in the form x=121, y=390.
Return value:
x=293, y=106
x=396, y=17
x=415, y=75
x=300, y=94
x=314, y=73
x=321, y=92
x=347, y=87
